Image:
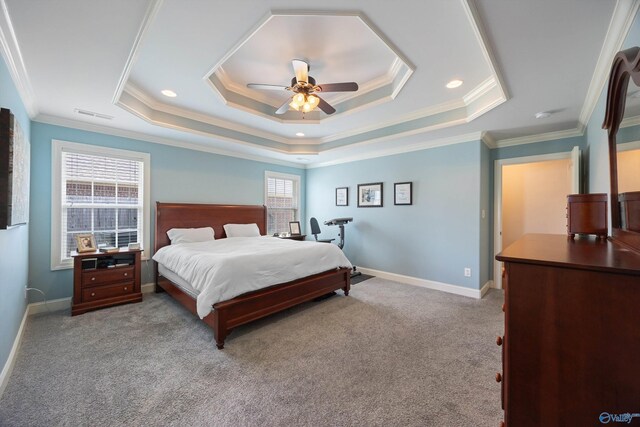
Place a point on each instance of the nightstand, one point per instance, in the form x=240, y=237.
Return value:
x=103, y=279
x=294, y=237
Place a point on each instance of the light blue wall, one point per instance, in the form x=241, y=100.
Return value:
x=14, y=243
x=177, y=175
x=435, y=238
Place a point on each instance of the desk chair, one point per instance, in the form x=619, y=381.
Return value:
x=315, y=230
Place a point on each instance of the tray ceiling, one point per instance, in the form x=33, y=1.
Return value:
x=114, y=59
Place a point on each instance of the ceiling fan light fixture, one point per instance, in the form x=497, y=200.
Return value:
x=313, y=100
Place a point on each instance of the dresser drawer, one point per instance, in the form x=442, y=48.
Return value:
x=111, y=275
x=109, y=291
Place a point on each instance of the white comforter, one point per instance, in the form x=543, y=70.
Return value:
x=223, y=269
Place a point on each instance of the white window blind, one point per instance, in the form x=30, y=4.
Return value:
x=103, y=196
x=282, y=201
x=98, y=190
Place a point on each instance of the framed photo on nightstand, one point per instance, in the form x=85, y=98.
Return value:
x=294, y=228
x=86, y=243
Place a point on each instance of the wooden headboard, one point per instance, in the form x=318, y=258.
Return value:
x=190, y=215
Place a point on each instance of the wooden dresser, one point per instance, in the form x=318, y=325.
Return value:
x=105, y=279
x=571, y=345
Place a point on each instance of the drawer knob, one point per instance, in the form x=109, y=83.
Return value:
x=125, y=288
x=93, y=278
x=126, y=274
x=499, y=341
x=498, y=377
x=93, y=294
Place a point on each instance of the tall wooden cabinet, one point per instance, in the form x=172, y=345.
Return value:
x=571, y=345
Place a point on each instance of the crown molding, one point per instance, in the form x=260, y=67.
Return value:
x=623, y=15
x=13, y=58
x=547, y=136
x=630, y=121
x=488, y=140
x=140, y=136
x=154, y=105
x=478, y=29
x=469, y=137
x=145, y=24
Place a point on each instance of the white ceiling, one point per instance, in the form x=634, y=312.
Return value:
x=516, y=58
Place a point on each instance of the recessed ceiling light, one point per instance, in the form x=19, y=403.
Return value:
x=543, y=115
x=299, y=134
x=169, y=93
x=454, y=84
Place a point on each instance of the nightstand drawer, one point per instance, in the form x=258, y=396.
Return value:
x=100, y=292
x=100, y=276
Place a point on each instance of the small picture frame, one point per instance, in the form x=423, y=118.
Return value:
x=402, y=193
x=294, y=228
x=86, y=243
x=342, y=196
x=370, y=195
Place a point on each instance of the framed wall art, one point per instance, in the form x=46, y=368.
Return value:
x=370, y=195
x=402, y=193
x=342, y=196
x=15, y=162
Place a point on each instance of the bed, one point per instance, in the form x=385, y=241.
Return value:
x=249, y=306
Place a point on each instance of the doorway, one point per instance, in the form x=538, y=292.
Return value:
x=531, y=197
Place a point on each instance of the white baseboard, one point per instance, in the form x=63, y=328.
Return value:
x=429, y=284
x=11, y=360
x=486, y=287
x=65, y=303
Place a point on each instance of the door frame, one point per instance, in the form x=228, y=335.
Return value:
x=497, y=202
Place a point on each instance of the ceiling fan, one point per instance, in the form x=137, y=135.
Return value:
x=305, y=90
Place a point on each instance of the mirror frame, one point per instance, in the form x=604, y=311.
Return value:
x=626, y=65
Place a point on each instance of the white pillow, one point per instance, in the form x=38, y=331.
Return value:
x=190, y=235
x=242, y=230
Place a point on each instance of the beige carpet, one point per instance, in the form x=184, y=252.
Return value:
x=389, y=354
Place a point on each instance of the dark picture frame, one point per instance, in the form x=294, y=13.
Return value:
x=403, y=193
x=342, y=196
x=294, y=228
x=370, y=195
x=15, y=164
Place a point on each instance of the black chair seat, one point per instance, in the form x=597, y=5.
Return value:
x=315, y=230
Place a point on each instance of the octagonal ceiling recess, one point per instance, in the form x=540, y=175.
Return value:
x=339, y=46
x=340, y=49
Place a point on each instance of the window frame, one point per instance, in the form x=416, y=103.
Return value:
x=296, y=190
x=57, y=148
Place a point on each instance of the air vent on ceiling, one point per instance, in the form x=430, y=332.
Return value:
x=93, y=114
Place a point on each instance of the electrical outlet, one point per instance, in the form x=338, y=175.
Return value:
x=467, y=272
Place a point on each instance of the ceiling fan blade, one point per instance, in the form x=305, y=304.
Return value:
x=339, y=87
x=284, y=107
x=301, y=70
x=324, y=106
x=266, y=87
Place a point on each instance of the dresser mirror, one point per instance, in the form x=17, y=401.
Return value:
x=622, y=121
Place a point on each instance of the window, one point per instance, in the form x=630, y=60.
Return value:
x=97, y=190
x=282, y=198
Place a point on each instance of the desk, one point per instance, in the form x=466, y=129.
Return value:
x=294, y=237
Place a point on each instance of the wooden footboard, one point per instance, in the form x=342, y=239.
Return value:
x=251, y=306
